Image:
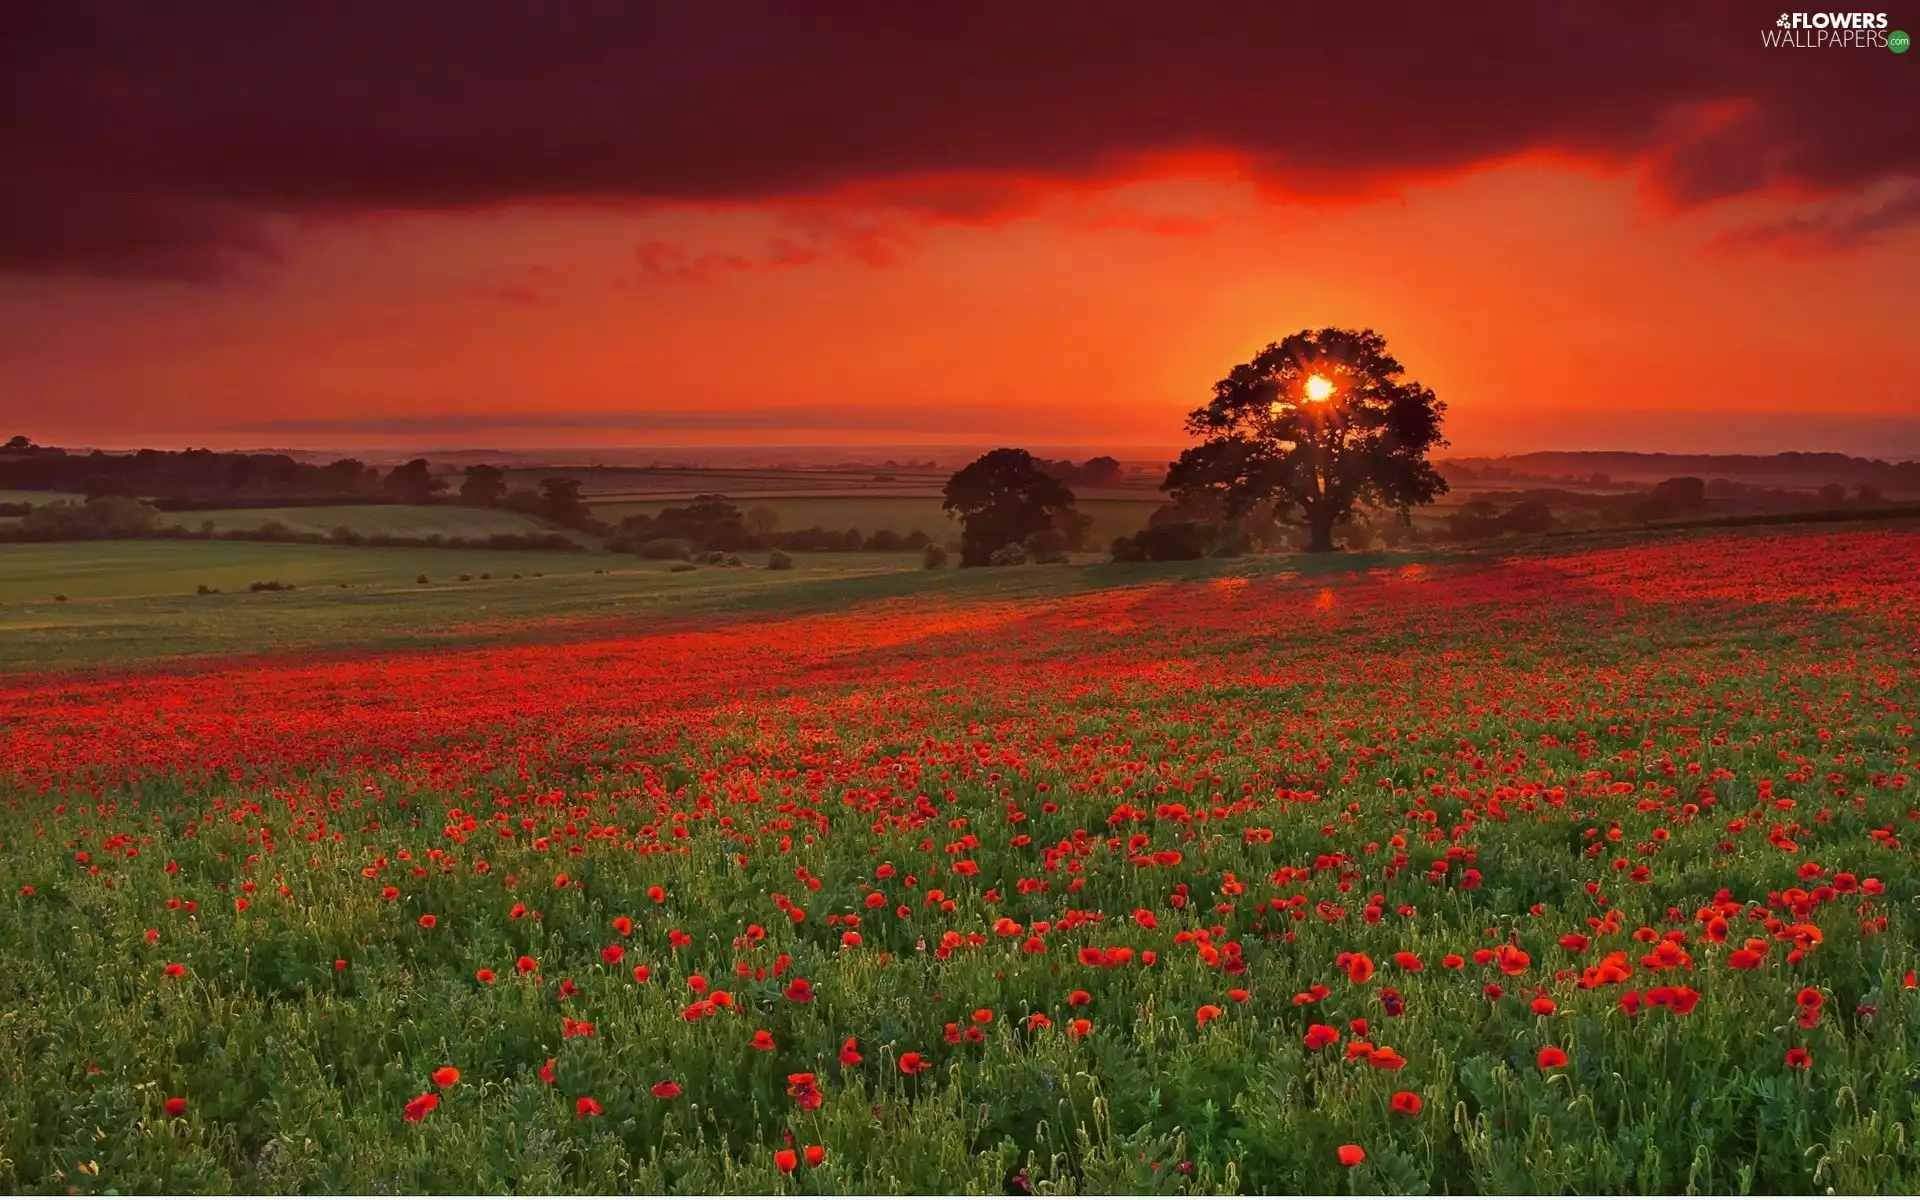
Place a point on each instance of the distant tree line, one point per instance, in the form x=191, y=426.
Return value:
x=1601, y=468
x=110, y=518
x=714, y=524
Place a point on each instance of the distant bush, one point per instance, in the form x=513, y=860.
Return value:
x=99, y=518
x=1012, y=554
x=779, y=560
x=466, y=578
x=665, y=548
x=1046, y=546
x=420, y=578
x=733, y=560
x=269, y=585
x=682, y=566
x=933, y=557
x=712, y=558
x=204, y=590
x=1172, y=542
x=59, y=598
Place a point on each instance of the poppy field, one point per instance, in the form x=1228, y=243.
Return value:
x=1588, y=871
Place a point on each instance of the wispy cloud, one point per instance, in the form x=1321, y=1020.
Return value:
x=1831, y=229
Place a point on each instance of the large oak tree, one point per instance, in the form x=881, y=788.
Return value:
x=1317, y=424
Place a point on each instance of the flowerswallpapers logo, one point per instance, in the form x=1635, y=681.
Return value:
x=1834, y=31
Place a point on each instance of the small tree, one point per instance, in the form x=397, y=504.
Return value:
x=484, y=485
x=1003, y=498
x=1102, y=470
x=413, y=482
x=1317, y=423
x=560, y=503
x=761, y=521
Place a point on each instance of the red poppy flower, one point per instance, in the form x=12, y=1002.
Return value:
x=623, y=925
x=176, y=1107
x=1798, y=1058
x=1078, y=998
x=1552, y=1058
x=1744, y=959
x=446, y=1077
x=799, y=991
x=1351, y=1155
x=483, y=975
x=1039, y=1021
x=526, y=965
x=816, y=1155
x=1080, y=1028
x=392, y=893
x=1408, y=962
x=1407, y=1102
x=586, y=1106
x=418, y=1107
x=174, y=969
x=698, y=983
x=1543, y=1006
x=547, y=1072
x=912, y=1063
x=786, y=1160
x=1207, y=1012
x=805, y=1092
x=1512, y=960
x=762, y=1040
x=850, y=1053
x=428, y=920
x=1453, y=962
x=1809, y=998
x=1385, y=1058
x=1321, y=1035
x=1359, y=968
x=612, y=955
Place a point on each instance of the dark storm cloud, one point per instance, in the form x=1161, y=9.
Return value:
x=143, y=139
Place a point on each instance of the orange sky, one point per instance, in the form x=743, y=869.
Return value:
x=1554, y=300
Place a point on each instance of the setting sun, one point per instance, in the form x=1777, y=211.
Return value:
x=1319, y=387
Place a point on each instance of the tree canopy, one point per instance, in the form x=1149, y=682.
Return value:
x=1317, y=424
x=1003, y=498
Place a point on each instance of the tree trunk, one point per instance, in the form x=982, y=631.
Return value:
x=1321, y=528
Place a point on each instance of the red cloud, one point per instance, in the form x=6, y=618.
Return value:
x=154, y=140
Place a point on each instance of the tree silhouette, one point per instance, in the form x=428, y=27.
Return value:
x=411, y=482
x=1317, y=423
x=483, y=485
x=560, y=503
x=1003, y=498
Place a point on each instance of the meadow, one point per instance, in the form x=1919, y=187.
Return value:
x=1578, y=870
x=1112, y=517
x=369, y=520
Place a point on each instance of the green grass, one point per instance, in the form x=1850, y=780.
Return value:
x=134, y=602
x=14, y=496
x=369, y=520
x=902, y=514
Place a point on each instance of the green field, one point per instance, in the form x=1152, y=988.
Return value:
x=902, y=514
x=369, y=520
x=134, y=602
x=10, y=496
